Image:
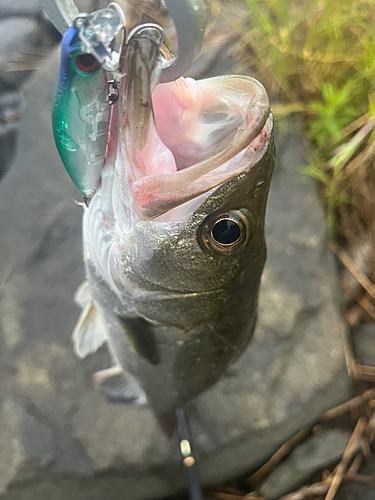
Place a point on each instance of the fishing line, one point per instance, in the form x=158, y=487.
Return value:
x=188, y=456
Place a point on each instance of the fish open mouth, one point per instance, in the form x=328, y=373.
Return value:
x=187, y=137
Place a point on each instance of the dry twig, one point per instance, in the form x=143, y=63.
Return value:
x=353, y=269
x=366, y=449
x=361, y=478
x=361, y=300
x=356, y=464
x=308, y=491
x=355, y=314
x=221, y=495
x=352, y=447
x=319, y=489
x=348, y=405
x=349, y=129
x=364, y=372
x=280, y=454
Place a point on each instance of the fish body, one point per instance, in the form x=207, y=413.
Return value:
x=174, y=241
x=176, y=315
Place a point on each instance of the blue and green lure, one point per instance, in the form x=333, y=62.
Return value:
x=80, y=114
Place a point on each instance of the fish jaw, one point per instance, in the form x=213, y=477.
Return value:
x=200, y=152
x=182, y=139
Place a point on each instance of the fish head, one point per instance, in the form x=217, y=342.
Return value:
x=184, y=189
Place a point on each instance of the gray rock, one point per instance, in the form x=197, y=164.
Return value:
x=16, y=33
x=293, y=370
x=354, y=490
x=8, y=143
x=360, y=252
x=364, y=344
x=318, y=451
x=11, y=108
x=90, y=5
x=33, y=7
x=19, y=7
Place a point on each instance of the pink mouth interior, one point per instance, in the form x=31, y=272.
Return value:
x=201, y=134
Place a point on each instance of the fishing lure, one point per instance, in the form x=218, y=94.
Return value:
x=80, y=113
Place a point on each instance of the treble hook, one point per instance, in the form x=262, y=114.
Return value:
x=188, y=17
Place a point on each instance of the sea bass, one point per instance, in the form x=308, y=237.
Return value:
x=173, y=235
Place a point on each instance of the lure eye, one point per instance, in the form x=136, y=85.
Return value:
x=86, y=63
x=225, y=233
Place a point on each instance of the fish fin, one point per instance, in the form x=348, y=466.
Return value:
x=168, y=423
x=117, y=387
x=89, y=333
x=141, y=337
x=82, y=297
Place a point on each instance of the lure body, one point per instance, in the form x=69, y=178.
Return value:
x=80, y=114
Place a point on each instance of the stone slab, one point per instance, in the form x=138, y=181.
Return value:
x=61, y=439
x=364, y=344
x=318, y=451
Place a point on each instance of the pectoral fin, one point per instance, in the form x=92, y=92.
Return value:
x=89, y=333
x=82, y=297
x=118, y=388
x=141, y=337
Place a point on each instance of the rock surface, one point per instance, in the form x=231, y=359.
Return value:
x=320, y=450
x=354, y=490
x=59, y=438
x=16, y=34
x=19, y=7
x=11, y=108
x=364, y=344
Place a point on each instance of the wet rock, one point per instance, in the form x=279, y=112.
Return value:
x=8, y=143
x=354, y=490
x=293, y=370
x=19, y=7
x=33, y=7
x=361, y=253
x=364, y=344
x=16, y=34
x=320, y=450
x=89, y=5
x=11, y=108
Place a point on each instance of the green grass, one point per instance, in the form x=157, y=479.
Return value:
x=318, y=57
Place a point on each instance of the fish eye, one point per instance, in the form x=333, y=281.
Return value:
x=225, y=233
x=86, y=63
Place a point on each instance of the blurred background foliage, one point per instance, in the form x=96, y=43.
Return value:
x=318, y=60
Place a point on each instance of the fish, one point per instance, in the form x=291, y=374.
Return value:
x=173, y=236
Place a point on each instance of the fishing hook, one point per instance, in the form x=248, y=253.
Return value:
x=188, y=17
x=113, y=94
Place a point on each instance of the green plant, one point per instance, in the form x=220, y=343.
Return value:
x=318, y=57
